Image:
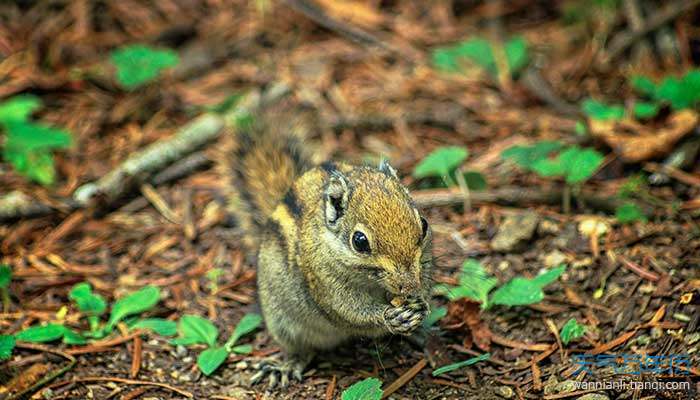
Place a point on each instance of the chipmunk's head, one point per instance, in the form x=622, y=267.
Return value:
x=376, y=229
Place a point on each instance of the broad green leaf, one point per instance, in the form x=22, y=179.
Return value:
x=196, y=330
x=18, y=108
x=72, y=337
x=7, y=344
x=475, y=180
x=134, y=303
x=440, y=162
x=571, y=330
x=435, y=315
x=516, y=53
x=5, y=275
x=88, y=302
x=527, y=156
x=547, y=167
x=41, y=333
x=549, y=276
x=580, y=164
x=139, y=64
x=366, y=389
x=629, y=212
x=476, y=282
x=242, y=349
x=644, y=110
x=25, y=137
x=160, y=326
x=451, y=367
x=580, y=128
x=480, y=52
x=643, y=85
x=248, y=323
x=210, y=359
x=601, y=111
x=518, y=292
x=680, y=93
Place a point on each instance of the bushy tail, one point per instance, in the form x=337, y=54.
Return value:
x=260, y=164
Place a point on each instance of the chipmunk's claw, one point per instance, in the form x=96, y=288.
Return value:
x=278, y=373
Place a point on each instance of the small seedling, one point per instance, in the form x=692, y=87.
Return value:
x=630, y=212
x=91, y=304
x=29, y=145
x=366, y=389
x=139, y=64
x=160, y=326
x=478, y=51
x=476, y=284
x=574, y=164
x=443, y=163
x=5, y=278
x=680, y=93
x=451, y=367
x=601, y=111
x=436, y=314
x=213, y=276
x=198, y=330
x=571, y=330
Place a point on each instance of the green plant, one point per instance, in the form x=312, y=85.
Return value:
x=436, y=314
x=91, y=304
x=571, y=330
x=479, y=51
x=198, y=330
x=139, y=64
x=366, y=389
x=135, y=303
x=574, y=164
x=160, y=326
x=680, y=93
x=5, y=278
x=629, y=212
x=601, y=111
x=474, y=283
x=29, y=145
x=443, y=163
x=7, y=344
x=451, y=367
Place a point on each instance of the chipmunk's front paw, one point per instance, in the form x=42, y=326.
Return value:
x=279, y=372
x=406, y=317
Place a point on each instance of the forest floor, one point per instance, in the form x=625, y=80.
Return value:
x=635, y=286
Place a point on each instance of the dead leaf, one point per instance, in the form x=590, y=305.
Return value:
x=635, y=142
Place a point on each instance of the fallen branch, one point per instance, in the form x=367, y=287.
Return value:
x=511, y=196
x=622, y=41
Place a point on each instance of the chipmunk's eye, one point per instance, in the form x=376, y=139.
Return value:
x=424, y=225
x=360, y=242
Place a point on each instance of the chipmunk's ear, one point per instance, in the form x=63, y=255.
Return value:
x=336, y=198
x=387, y=169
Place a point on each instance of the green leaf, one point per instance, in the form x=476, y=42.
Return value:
x=601, y=111
x=517, y=292
x=580, y=164
x=476, y=282
x=27, y=148
x=134, y=303
x=88, y=302
x=435, y=315
x=5, y=275
x=479, y=51
x=643, y=110
x=366, y=389
x=643, y=85
x=18, y=108
x=210, y=359
x=440, y=162
x=41, y=333
x=194, y=329
x=451, y=367
x=571, y=330
x=72, y=337
x=139, y=64
x=580, y=128
x=475, y=180
x=248, y=323
x=629, y=212
x=516, y=54
x=549, y=276
x=242, y=349
x=527, y=156
x=160, y=326
x=7, y=344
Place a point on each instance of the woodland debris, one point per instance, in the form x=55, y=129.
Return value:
x=515, y=231
x=635, y=142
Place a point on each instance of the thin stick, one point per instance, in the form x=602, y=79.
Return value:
x=404, y=378
x=125, y=381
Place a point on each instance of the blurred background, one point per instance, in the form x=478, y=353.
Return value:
x=533, y=134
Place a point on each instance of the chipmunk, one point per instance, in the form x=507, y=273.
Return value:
x=342, y=250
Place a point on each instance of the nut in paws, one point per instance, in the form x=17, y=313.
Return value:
x=406, y=317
